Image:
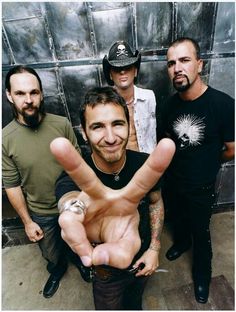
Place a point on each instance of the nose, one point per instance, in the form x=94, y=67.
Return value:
x=177, y=67
x=28, y=98
x=110, y=136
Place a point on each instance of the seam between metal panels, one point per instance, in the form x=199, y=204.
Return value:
x=212, y=38
x=174, y=20
x=145, y=59
x=48, y=32
x=6, y=40
x=92, y=32
x=62, y=93
x=135, y=27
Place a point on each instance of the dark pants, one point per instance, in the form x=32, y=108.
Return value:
x=122, y=292
x=189, y=211
x=52, y=246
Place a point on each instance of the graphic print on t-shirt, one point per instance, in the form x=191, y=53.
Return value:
x=190, y=130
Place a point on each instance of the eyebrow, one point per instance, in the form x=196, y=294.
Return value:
x=21, y=91
x=100, y=123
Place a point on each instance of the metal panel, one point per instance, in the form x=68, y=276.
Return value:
x=197, y=19
x=28, y=38
x=112, y=22
x=224, y=39
x=76, y=81
x=154, y=25
x=223, y=75
x=69, y=29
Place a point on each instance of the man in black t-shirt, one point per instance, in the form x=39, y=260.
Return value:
x=200, y=120
x=99, y=219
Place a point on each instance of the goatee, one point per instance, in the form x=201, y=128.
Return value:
x=181, y=88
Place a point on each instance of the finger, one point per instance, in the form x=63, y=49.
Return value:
x=74, y=234
x=142, y=272
x=151, y=171
x=137, y=263
x=39, y=237
x=76, y=167
x=39, y=231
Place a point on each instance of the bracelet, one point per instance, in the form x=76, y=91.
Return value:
x=76, y=206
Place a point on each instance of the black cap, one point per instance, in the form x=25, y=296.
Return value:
x=120, y=55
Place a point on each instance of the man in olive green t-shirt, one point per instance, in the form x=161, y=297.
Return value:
x=30, y=170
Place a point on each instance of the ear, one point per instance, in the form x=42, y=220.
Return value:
x=8, y=94
x=111, y=76
x=83, y=133
x=136, y=72
x=200, y=65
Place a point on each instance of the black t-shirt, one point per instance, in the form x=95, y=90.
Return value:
x=134, y=160
x=199, y=128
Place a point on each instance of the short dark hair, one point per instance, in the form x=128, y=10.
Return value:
x=101, y=95
x=193, y=41
x=19, y=69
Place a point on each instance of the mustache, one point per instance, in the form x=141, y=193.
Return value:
x=180, y=75
x=30, y=105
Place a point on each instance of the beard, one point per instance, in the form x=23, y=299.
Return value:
x=31, y=120
x=180, y=87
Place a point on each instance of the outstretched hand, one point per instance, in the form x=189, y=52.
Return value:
x=111, y=216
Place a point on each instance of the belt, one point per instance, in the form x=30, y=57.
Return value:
x=107, y=272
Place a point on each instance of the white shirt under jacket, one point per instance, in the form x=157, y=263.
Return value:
x=145, y=119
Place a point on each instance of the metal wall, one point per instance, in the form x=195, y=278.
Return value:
x=66, y=41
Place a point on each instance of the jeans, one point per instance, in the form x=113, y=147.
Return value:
x=189, y=211
x=123, y=292
x=52, y=246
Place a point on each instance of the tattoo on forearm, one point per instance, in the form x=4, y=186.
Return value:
x=156, y=211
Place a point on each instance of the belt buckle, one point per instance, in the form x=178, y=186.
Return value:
x=102, y=273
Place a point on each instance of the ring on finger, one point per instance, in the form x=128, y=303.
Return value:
x=77, y=206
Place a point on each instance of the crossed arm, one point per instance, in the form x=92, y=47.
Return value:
x=228, y=153
x=111, y=217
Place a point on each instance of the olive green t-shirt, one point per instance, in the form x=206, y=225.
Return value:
x=28, y=162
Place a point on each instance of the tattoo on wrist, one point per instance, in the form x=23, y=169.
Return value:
x=155, y=246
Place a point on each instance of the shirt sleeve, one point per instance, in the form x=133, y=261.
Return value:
x=227, y=120
x=64, y=184
x=10, y=174
x=70, y=135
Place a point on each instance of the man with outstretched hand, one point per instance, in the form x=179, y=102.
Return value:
x=99, y=216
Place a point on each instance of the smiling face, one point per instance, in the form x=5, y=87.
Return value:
x=26, y=96
x=107, y=132
x=123, y=77
x=183, y=65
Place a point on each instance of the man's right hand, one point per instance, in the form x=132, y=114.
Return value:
x=111, y=216
x=33, y=231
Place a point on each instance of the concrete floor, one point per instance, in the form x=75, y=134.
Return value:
x=24, y=275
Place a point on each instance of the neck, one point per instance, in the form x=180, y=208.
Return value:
x=108, y=167
x=127, y=94
x=195, y=91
